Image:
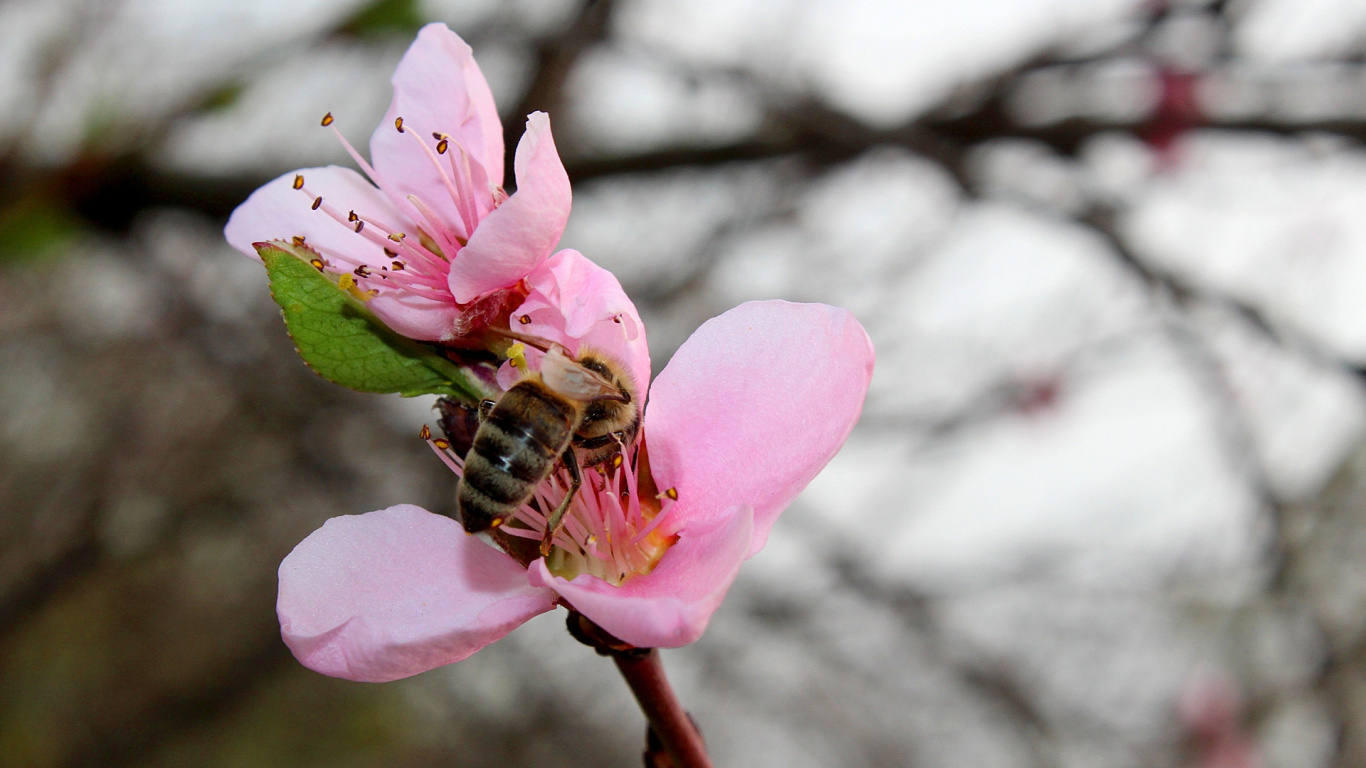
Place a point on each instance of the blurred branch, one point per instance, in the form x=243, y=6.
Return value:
x=555, y=58
x=130, y=743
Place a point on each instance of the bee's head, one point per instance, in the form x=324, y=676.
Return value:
x=607, y=420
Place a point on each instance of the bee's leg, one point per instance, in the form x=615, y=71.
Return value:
x=485, y=408
x=556, y=519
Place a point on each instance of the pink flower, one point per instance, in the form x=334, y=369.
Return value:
x=1211, y=712
x=438, y=243
x=748, y=411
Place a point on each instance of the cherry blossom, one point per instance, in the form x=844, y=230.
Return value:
x=435, y=240
x=747, y=412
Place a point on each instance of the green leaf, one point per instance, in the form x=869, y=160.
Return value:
x=344, y=342
x=385, y=17
x=34, y=227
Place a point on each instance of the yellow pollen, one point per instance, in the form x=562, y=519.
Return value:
x=524, y=319
x=397, y=237
x=346, y=282
x=442, y=444
x=327, y=119
x=496, y=523
x=425, y=434
x=517, y=356
x=442, y=146
x=398, y=123
x=298, y=181
x=616, y=462
x=317, y=264
x=672, y=493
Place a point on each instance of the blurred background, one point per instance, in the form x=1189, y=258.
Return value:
x=1107, y=503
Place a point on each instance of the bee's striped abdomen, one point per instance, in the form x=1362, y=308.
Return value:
x=515, y=448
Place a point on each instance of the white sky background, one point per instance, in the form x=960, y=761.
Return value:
x=1062, y=456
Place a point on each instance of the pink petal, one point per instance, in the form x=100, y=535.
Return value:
x=416, y=317
x=576, y=303
x=438, y=88
x=671, y=605
x=754, y=404
x=389, y=594
x=515, y=238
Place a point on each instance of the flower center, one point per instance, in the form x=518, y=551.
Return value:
x=609, y=530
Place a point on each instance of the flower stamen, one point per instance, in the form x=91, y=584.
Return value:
x=461, y=202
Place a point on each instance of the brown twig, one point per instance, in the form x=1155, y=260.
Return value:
x=670, y=727
x=644, y=673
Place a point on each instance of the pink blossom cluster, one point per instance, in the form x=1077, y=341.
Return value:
x=746, y=413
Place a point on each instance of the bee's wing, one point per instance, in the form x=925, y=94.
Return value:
x=562, y=374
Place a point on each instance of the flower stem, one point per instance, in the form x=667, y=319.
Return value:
x=669, y=724
x=644, y=673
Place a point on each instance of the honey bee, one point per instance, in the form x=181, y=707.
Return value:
x=576, y=411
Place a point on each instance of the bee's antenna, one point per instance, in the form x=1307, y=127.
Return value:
x=531, y=341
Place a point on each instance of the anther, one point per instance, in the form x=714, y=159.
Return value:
x=441, y=443
x=361, y=271
x=352, y=216
x=438, y=135
x=327, y=119
x=360, y=225
x=442, y=146
x=398, y=123
x=298, y=181
x=616, y=318
x=389, y=253
x=317, y=201
x=398, y=266
x=497, y=522
x=317, y=264
x=616, y=462
x=298, y=240
x=672, y=493
x=524, y=319
x=517, y=356
x=397, y=237
x=425, y=434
